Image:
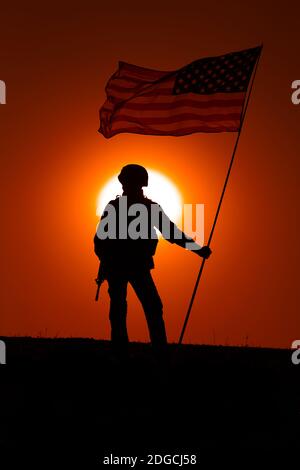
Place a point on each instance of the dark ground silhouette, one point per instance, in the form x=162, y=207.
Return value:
x=69, y=400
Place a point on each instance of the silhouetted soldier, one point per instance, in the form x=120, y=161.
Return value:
x=127, y=257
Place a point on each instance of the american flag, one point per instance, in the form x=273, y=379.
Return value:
x=206, y=95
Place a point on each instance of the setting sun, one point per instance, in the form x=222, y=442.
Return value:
x=160, y=189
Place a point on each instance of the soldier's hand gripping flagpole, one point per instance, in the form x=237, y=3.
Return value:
x=220, y=202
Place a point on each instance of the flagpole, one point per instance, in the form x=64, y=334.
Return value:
x=220, y=201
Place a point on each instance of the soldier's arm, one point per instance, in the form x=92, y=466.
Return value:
x=173, y=234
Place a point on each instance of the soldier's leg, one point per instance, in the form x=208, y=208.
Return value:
x=117, y=289
x=146, y=291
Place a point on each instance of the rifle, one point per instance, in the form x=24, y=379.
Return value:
x=99, y=280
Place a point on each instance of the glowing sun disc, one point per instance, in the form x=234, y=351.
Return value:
x=160, y=189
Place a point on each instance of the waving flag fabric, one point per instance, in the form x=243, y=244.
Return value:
x=206, y=95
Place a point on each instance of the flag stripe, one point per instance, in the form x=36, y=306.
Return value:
x=217, y=126
x=141, y=73
x=181, y=103
x=172, y=102
x=177, y=118
x=162, y=91
x=127, y=81
x=170, y=98
x=178, y=131
x=163, y=86
x=182, y=112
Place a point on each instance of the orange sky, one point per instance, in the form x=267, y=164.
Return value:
x=55, y=59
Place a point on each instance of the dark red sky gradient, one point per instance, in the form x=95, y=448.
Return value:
x=55, y=59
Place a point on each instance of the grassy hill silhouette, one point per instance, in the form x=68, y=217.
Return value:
x=69, y=400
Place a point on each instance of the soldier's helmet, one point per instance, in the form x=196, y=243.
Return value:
x=135, y=176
